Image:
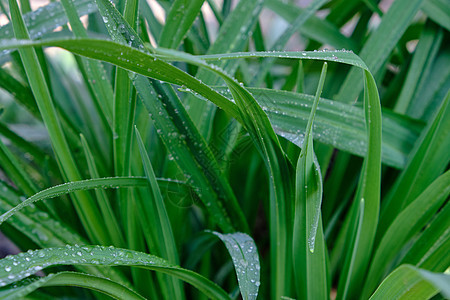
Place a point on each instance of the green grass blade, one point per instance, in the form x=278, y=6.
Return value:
x=368, y=193
x=309, y=261
x=430, y=250
x=15, y=268
x=169, y=107
x=102, y=199
x=408, y=223
x=245, y=258
x=408, y=281
x=168, y=248
x=380, y=44
x=261, y=131
x=94, y=69
x=438, y=11
x=428, y=160
x=85, y=208
x=424, y=55
x=179, y=20
x=95, y=283
x=203, y=154
x=112, y=182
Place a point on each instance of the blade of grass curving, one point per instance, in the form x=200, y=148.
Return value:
x=428, y=160
x=102, y=199
x=245, y=258
x=174, y=140
x=178, y=22
x=309, y=265
x=261, y=131
x=69, y=187
x=146, y=64
x=370, y=179
x=337, y=124
x=45, y=231
x=378, y=47
x=17, y=267
x=169, y=107
x=408, y=223
x=60, y=233
x=408, y=281
x=85, y=207
x=168, y=248
x=262, y=134
x=203, y=154
x=438, y=11
x=368, y=192
x=95, y=283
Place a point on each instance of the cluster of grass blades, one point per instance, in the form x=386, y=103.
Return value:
x=324, y=173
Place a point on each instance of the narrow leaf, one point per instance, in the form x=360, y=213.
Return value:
x=408, y=281
x=17, y=267
x=244, y=255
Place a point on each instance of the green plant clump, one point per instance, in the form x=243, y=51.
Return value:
x=177, y=150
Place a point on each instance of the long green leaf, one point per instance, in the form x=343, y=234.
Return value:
x=431, y=248
x=408, y=281
x=95, y=283
x=102, y=199
x=15, y=268
x=179, y=20
x=86, y=209
x=309, y=254
x=367, y=195
x=168, y=248
x=336, y=124
x=409, y=222
x=112, y=182
x=428, y=160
